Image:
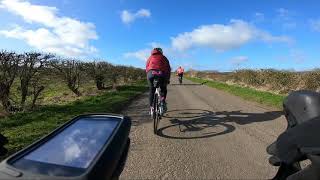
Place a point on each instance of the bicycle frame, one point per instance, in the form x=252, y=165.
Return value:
x=157, y=92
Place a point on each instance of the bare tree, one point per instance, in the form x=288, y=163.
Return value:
x=33, y=68
x=112, y=72
x=30, y=65
x=9, y=65
x=97, y=70
x=71, y=71
x=123, y=73
x=134, y=74
x=37, y=88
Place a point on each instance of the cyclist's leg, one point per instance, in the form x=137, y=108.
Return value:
x=150, y=78
x=163, y=86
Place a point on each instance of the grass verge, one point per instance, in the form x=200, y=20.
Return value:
x=246, y=93
x=24, y=128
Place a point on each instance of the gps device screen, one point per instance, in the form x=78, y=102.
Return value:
x=77, y=145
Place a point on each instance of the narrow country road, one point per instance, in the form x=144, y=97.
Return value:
x=206, y=134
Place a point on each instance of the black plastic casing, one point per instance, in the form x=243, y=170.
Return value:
x=298, y=107
x=3, y=141
x=300, y=140
x=105, y=165
x=301, y=106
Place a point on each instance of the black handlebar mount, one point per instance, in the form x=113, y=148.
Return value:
x=3, y=141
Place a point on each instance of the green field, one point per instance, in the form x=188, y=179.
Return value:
x=246, y=93
x=24, y=128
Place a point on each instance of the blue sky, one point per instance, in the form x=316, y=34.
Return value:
x=207, y=35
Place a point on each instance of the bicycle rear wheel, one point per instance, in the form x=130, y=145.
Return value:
x=180, y=80
x=156, y=116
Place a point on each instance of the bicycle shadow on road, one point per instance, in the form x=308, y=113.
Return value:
x=198, y=123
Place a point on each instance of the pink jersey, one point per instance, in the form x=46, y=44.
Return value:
x=180, y=70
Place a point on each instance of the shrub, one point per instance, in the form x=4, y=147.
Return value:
x=248, y=76
x=312, y=80
x=283, y=81
x=271, y=79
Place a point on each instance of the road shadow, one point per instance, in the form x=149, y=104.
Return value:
x=198, y=123
x=246, y=118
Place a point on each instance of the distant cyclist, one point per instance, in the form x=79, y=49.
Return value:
x=158, y=66
x=180, y=72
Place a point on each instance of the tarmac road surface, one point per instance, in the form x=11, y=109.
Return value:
x=206, y=134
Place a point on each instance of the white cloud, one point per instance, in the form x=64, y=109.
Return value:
x=142, y=54
x=155, y=44
x=297, y=56
x=127, y=17
x=289, y=25
x=224, y=37
x=286, y=18
x=315, y=24
x=60, y=35
x=168, y=51
x=239, y=60
x=283, y=13
x=267, y=37
x=259, y=17
x=143, y=13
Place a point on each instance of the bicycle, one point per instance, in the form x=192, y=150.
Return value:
x=157, y=108
x=180, y=79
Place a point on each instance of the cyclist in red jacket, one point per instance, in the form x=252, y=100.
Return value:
x=158, y=66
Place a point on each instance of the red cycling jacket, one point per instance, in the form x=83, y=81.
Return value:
x=158, y=61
